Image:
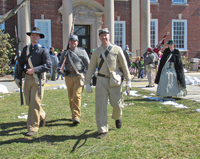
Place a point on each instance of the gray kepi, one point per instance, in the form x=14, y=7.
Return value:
x=105, y=30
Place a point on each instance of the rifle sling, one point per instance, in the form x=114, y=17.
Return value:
x=106, y=54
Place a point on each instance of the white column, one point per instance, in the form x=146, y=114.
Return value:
x=135, y=27
x=109, y=18
x=145, y=25
x=67, y=19
x=24, y=24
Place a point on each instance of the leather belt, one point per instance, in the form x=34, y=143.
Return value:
x=72, y=72
x=101, y=75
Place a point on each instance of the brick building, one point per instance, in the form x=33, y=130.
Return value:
x=137, y=23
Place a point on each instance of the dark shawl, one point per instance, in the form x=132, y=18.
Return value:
x=176, y=55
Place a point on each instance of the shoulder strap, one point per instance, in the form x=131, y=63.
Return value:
x=106, y=54
x=104, y=57
x=43, y=75
x=77, y=57
x=73, y=65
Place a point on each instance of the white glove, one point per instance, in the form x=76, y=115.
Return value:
x=128, y=86
x=17, y=81
x=89, y=88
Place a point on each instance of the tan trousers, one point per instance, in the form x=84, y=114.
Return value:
x=151, y=75
x=33, y=100
x=102, y=92
x=74, y=94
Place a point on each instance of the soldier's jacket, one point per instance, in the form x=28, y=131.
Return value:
x=39, y=56
x=80, y=62
x=115, y=60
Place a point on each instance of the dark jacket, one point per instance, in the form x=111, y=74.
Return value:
x=40, y=59
x=176, y=55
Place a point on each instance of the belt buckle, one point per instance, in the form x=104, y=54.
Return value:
x=107, y=76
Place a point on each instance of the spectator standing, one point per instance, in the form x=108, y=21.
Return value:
x=54, y=60
x=141, y=67
x=150, y=67
x=59, y=57
x=51, y=50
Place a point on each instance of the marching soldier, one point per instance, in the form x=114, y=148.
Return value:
x=76, y=63
x=114, y=58
x=37, y=62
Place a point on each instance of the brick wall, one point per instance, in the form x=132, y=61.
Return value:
x=165, y=12
x=6, y=6
x=50, y=11
x=123, y=9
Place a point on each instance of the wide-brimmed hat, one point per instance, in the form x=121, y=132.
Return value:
x=105, y=30
x=36, y=31
x=170, y=42
x=73, y=37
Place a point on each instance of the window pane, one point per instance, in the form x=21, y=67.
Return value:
x=153, y=33
x=178, y=34
x=119, y=33
x=179, y=1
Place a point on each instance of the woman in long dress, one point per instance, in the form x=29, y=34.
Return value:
x=170, y=77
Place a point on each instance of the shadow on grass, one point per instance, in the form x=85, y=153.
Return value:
x=53, y=138
x=17, y=126
x=53, y=123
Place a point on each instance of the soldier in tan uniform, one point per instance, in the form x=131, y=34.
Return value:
x=115, y=58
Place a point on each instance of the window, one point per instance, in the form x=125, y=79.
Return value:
x=120, y=33
x=2, y=26
x=179, y=33
x=153, y=1
x=179, y=1
x=45, y=27
x=154, y=32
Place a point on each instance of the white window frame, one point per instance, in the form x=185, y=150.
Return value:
x=185, y=2
x=123, y=33
x=48, y=36
x=2, y=26
x=156, y=31
x=185, y=32
x=153, y=1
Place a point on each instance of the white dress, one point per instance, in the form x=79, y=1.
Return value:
x=168, y=84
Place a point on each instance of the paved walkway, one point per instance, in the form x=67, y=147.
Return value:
x=193, y=92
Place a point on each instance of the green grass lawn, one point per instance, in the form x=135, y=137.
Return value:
x=150, y=129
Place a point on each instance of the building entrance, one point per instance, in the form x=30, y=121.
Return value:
x=83, y=32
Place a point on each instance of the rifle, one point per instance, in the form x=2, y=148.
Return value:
x=19, y=68
x=71, y=33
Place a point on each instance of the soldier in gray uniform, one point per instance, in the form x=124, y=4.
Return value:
x=115, y=59
x=36, y=59
x=76, y=63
